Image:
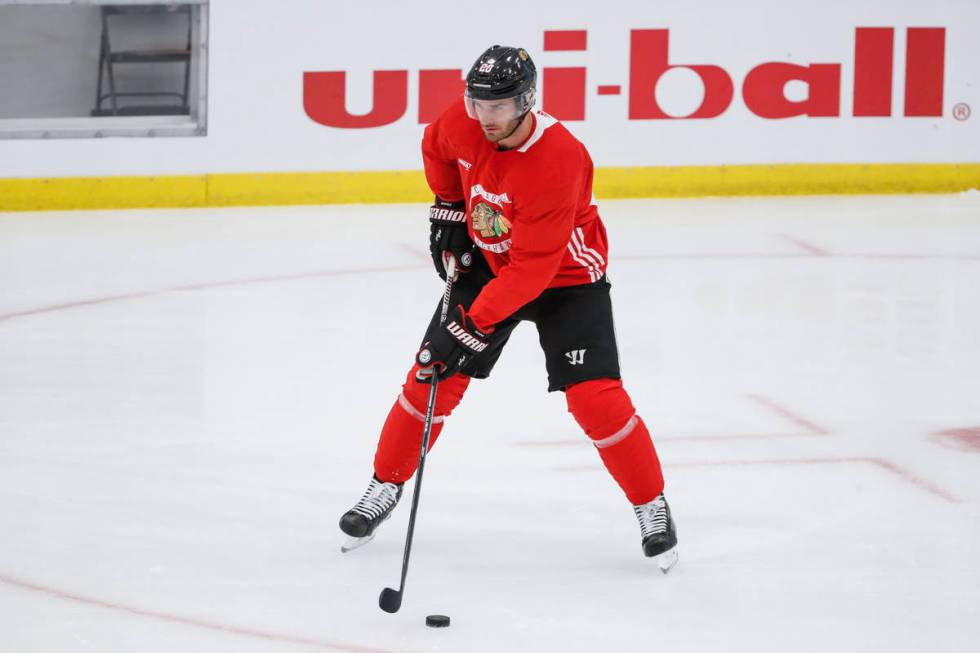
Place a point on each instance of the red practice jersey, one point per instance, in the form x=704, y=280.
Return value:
x=530, y=209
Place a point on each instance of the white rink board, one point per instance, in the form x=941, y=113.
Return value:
x=259, y=54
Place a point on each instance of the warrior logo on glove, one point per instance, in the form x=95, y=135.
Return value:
x=451, y=347
x=470, y=342
x=448, y=237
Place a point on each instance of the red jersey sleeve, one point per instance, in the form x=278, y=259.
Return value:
x=543, y=223
x=441, y=170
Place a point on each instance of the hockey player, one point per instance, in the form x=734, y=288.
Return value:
x=514, y=208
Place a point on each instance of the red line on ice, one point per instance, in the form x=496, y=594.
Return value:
x=786, y=413
x=805, y=246
x=187, y=621
x=666, y=438
x=779, y=257
x=408, y=268
x=961, y=439
x=880, y=463
x=204, y=286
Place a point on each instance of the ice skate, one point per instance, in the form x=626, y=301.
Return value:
x=361, y=521
x=658, y=532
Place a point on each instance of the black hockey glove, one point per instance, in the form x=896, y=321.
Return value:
x=448, y=236
x=451, y=347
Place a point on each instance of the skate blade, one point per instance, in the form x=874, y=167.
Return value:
x=355, y=543
x=666, y=560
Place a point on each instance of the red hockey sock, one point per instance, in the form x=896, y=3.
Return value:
x=401, y=437
x=604, y=411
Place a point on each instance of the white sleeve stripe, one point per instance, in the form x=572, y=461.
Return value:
x=619, y=435
x=595, y=270
x=578, y=259
x=587, y=251
x=410, y=409
x=582, y=255
x=594, y=274
x=581, y=235
x=582, y=251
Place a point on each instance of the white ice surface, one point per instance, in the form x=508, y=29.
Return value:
x=190, y=399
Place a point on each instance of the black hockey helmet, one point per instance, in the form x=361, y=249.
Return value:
x=502, y=72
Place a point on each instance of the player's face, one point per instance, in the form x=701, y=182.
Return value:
x=498, y=118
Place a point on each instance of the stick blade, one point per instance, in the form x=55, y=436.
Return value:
x=390, y=600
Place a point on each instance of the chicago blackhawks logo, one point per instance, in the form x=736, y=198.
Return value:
x=488, y=222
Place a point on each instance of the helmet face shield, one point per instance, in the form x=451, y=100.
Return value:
x=492, y=111
x=499, y=110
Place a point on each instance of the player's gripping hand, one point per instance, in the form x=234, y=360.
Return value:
x=451, y=347
x=448, y=236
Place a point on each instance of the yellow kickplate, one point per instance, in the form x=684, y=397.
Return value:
x=260, y=189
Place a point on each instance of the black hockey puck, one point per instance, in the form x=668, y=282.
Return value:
x=437, y=621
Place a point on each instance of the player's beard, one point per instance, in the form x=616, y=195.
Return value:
x=502, y=131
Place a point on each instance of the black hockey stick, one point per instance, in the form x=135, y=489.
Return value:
x=391, y=600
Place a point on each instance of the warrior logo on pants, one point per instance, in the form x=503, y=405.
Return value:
x=575, y=357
